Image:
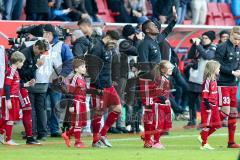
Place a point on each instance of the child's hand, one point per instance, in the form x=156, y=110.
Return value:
x=167, y=102
x=71, y=109
x=9, y=104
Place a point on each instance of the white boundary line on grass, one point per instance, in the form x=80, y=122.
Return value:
x=169, y=137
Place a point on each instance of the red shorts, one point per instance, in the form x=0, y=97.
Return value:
x=211, y=119
x=24, y=99
x=228, y=96
x=162, y=117
x=109, y=98
x=11, y=114
x=79, y=116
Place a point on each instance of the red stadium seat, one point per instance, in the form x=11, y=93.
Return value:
x=224, y=8
x=104, y=12
x=210, y=19
x=215, y=13
x=187, y=22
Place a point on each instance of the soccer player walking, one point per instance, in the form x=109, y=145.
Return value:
x=228, y=55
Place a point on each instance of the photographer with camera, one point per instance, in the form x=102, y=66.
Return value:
x=201, y=51
x=37, y=97
x=128, y=58
x=62, y=66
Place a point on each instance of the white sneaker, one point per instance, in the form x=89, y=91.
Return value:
x=2, y=138
x=129, y=127
x=207, y=147
x=199, y=138
x=141, y=128
x=11, y=143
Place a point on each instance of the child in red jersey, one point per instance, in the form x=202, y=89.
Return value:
x=155, y=99
x=162, y=121
x=78, y=111
x=10, y=100
x=210, y=117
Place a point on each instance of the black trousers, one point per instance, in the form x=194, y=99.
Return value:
x=194, y=103
x=39, y=113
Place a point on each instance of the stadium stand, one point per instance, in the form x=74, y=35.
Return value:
x=224, y=8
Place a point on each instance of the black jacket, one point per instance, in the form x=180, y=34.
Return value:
x=126, y=48
x=80, y=47
x=196, y=52
x=28, y=71
x=104, y=79
x=37, y=6
x=229, y=58
x=205, y=52
x=91, y=7
x=149, y=49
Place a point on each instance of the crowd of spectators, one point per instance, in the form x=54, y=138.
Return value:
x=127, y=11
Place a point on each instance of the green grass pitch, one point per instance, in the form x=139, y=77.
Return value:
x=180, y=145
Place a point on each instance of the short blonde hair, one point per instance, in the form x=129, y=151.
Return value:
x=210, y=69
x=17, y=57
x=236, y=29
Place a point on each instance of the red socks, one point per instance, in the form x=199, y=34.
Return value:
x=204, y=135
x=148, y=126
x=211, y=131
x=111, y=118
x=96, y=124
x=27, y=122
x=2, y=124
x=8, y=128
x=77, y=134
x=231, y=129
x=206, y=132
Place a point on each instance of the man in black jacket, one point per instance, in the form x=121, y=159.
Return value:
x=80, y=43
x=28, y=72
x=149, y=50
x=108, y=97
x=228, y=55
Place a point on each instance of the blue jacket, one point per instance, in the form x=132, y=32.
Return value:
x=67, y=58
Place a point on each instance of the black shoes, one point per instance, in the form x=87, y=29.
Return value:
x=122, y=129
x=42, y=138
x=32, y=141
x=114, y=130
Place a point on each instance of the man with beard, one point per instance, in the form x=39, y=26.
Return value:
x=106, y=97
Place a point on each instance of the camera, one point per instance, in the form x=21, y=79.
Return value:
x=193, y=40
x=62, y=32
x=29, y=34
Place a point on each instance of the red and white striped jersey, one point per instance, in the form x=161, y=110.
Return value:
x=147, y=91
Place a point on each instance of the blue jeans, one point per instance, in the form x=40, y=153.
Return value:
x=54, y=98
x=181, y=12
x=13, y=9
